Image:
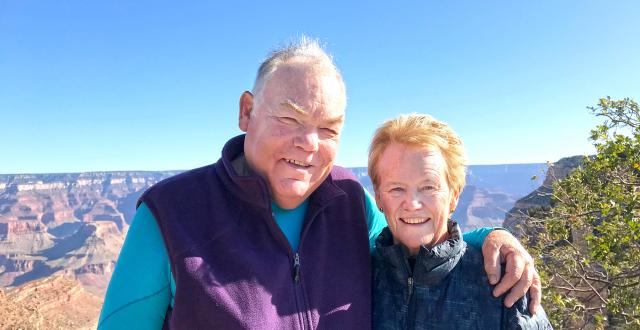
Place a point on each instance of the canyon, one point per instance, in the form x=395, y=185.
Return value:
x=60, y=234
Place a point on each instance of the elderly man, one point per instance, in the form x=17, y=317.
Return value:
x=273, y=235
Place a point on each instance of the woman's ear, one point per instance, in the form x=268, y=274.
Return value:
x=455, y=195
x=378, y=202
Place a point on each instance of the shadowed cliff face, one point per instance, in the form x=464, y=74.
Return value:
x=540, y=197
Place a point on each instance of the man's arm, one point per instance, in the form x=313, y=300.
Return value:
x=139, y=292
x=497, y=245
x=375, y=219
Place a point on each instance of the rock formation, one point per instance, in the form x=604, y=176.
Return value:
x=539, y=198
x=56, y=302
x=71, y=224
x=74, y=224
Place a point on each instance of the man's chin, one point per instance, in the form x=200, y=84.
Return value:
x=292, y=192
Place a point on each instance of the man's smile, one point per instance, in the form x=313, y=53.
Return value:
x=297, y=163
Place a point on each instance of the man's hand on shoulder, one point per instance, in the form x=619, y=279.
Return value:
x=520, y=273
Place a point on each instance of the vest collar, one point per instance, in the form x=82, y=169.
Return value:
x=432, y=265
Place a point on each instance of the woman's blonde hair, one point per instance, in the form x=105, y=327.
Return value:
x=419, y=130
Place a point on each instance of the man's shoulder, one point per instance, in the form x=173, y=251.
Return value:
x=347, y=181
x=182, y=182
x=341, y=173
x=185, y=177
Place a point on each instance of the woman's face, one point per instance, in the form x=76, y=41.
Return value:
x=414, y=195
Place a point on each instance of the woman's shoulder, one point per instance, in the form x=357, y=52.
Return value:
x=470, y=270
x=471, y=263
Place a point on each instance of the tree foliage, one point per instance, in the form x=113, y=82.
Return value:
x=588, y=241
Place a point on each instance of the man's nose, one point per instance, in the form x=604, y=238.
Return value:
x=308, y=140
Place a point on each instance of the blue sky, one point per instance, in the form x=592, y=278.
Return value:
x=151, y=85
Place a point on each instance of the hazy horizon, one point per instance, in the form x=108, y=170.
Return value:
x=182, y=170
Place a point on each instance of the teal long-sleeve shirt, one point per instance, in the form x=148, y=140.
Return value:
x=142, y=286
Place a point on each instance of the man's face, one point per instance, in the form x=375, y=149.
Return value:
x=293, y=128
x=414, y=195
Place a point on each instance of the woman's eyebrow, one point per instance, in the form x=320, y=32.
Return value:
x=393, y=183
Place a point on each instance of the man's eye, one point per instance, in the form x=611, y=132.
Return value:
x=287, y=120
x=396, y=190
x=328, y=132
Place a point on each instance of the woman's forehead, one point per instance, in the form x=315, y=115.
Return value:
x=399, y=160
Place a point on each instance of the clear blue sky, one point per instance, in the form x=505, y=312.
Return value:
x=154, y=85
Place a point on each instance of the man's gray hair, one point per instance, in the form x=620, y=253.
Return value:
x=305, y=48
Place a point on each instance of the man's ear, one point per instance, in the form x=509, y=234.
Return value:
x=246, y=106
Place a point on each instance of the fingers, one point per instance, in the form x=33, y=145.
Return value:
x=520, y=275
x=513, y=271
x=521, y=287
x=491, y=255
x=535, y=292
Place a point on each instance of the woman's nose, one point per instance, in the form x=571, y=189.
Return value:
x=412, y=202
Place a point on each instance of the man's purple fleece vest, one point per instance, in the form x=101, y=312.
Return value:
x=233, y=266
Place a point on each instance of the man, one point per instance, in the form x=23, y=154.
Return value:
x=273, y=235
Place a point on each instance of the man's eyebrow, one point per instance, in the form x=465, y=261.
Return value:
x=293, y=106
x=335, y=120
x=300, y=110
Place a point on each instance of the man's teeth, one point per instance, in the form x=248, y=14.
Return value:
x=414, y=220
x=299, y=163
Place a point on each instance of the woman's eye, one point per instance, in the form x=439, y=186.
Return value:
x=396, y=190
x=428, y=188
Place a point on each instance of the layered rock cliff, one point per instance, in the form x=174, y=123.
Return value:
x=71, y=224
x=540, y=198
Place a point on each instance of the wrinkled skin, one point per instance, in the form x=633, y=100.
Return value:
x=414, y=195
x=293, y=128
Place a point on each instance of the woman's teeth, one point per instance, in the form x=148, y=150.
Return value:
x=414, y=221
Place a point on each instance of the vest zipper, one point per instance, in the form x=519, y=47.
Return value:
x=299, y=293
x=409, y=289
x=296, y=268
x=411, y=308
x=301, y=299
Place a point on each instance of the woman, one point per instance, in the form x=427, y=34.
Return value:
x=425, y=276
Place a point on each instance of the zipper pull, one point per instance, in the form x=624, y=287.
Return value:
x=410, y=288
x=296, y=267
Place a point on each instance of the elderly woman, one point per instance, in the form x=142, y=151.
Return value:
x=425, y=276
